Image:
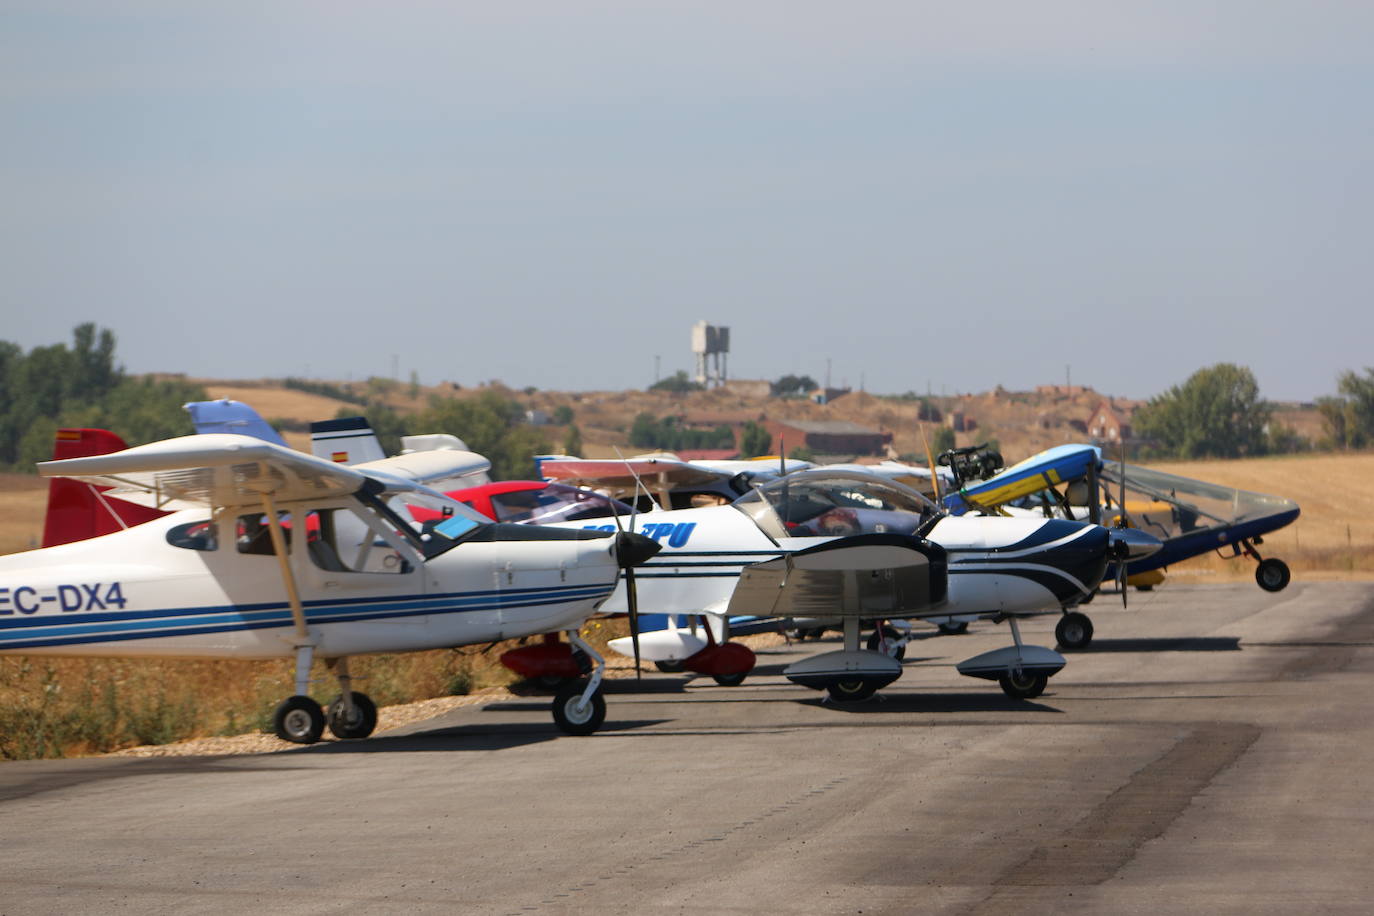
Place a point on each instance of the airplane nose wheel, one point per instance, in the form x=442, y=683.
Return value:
x=1074, y=631
x=576, y=716
x=1023, y=685
x=299, y=720
x=1272, y=574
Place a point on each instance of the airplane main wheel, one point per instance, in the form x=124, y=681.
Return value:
x=360, y=724
x=670, y=666
x=576, y=717
x=1272, y=575
x=850, y=691
x=954, y=629
x=1023, y=685
x=299, y=720
x=1074, y=631
x=730, y=680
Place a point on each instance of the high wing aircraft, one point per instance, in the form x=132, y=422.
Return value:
x=271, y=553
x=1189, y=517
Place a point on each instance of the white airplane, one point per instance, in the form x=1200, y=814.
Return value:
x=998, y=568
x=264, y=559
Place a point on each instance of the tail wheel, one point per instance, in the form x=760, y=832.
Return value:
x=574, y=715
x=850, y=691
x=299, y=720
x=730, y=680
x=1023, y=685
x=953, y=628
x=670, y=666
x=358, y=725
x=1074, y=631
x=1272, y=575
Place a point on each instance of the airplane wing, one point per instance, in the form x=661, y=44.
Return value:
x=229, y=470
x=868, y=576
x=618, y=474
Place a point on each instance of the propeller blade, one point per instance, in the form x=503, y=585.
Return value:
x=632, y=550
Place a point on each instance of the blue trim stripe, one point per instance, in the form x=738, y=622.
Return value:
x=45, y=631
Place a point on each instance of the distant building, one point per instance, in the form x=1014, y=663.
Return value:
x=828, y=437
x=537, y=418
x=1108, y=423
x=826, y=395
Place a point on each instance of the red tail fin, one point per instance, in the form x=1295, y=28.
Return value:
x=76, y=510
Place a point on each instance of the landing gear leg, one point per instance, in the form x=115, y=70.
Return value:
x=580, y=709
x=352, y=714
x=298, y=718
x=1019, y=683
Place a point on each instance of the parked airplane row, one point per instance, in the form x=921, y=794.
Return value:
x=229, y=544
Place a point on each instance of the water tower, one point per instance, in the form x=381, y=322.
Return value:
x=711, y=345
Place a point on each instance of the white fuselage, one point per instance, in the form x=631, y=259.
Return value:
x=996, y=565
x=133, y=593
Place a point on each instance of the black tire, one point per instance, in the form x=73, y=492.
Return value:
x=575, y=718
x=1023, y=685
x=364, y=717
x=892, y=636
x=552, y=682
x=1144, y=588
x=1272, y=575
x=815, y=633
x=299, y=720
x=730, y=680
x=850, y=691
x=1074, y=631
x=672, y=666
x=955, y=628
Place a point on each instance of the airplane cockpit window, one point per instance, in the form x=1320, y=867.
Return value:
x=254, y=535
x=556, y=502
x=1167, y=505
x=194, y=536
x=337, y=540
x=835, y=504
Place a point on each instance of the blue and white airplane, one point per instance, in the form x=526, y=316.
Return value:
x=272, y=553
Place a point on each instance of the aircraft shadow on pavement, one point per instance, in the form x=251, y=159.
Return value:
x=1167, y=644
x=484, y=737
x=934, y=703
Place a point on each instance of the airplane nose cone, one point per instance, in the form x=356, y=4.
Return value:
x=1133, y=544
x=634, y=549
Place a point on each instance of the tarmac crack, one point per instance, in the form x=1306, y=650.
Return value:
x=1106, y=838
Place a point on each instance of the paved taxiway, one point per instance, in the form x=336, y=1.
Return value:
x=1212, y=753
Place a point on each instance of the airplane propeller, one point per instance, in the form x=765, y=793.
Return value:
x=1123, y=550
x=632, y=550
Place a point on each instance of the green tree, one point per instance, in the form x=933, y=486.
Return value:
x=572, y=442
x=794, y=386
x=1349, y=418
x=677, y=383
x=942, y=440
x=562, y=415
x=1216, y=413
x=754, y=440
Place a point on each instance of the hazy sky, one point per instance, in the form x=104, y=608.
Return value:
x=947, y=194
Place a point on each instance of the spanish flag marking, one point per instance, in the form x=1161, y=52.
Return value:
x=340, y=457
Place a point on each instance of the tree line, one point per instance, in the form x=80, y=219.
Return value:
x=81, y=385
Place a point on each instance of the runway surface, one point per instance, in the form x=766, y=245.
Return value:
x=1212, y=752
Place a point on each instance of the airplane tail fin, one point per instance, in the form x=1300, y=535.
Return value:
x=349, y=440
x=230, y=416
x=76, y=510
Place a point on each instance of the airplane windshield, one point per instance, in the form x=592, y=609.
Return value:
x=1167, y=505
x=825, y=503
x=557, y=502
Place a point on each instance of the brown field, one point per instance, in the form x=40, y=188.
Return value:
x=272, y=402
